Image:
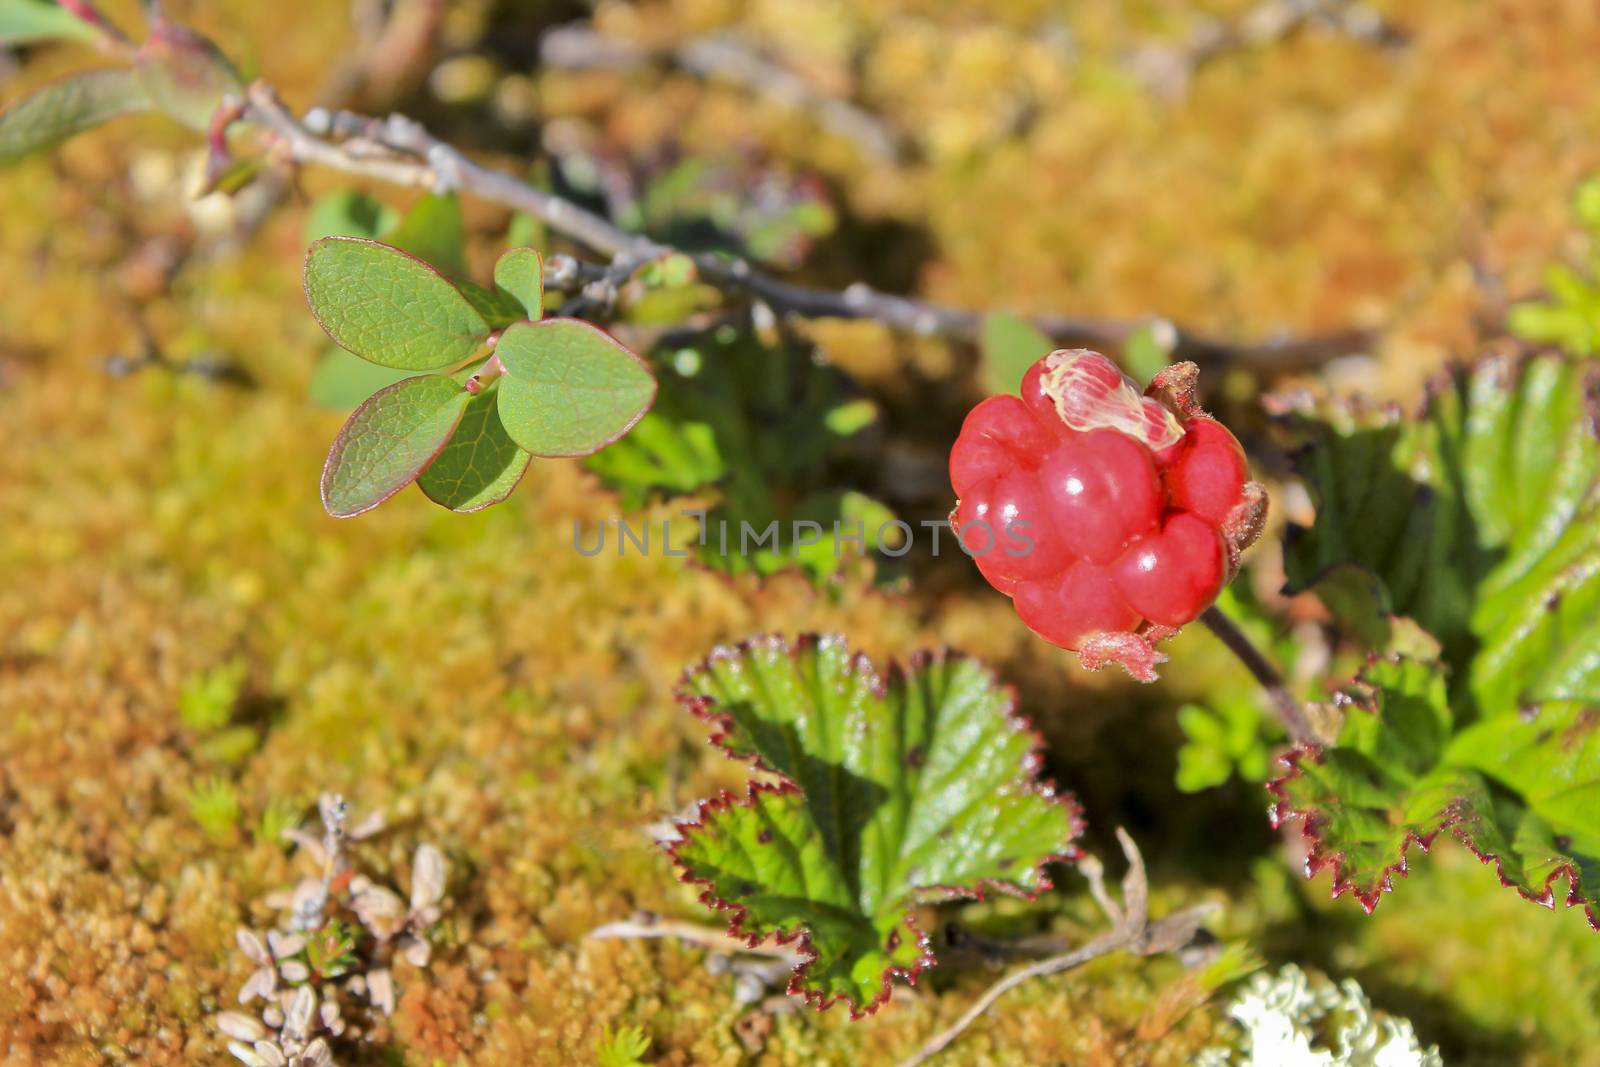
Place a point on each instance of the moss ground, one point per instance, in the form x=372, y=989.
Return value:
x=509, y=700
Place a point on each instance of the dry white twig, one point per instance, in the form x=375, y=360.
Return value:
x=1131, y=930
x=650, y=926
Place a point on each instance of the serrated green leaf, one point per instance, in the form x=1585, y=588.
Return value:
x=520, y=273
x=786, y=417
x=388, y=441
x=918, y=786
x=480, y=466
x=342, y=380
x=1221, y=741
x=1550, y=759
x=27, y=21
x=434, y=232
x=348, y=213
x=1480, y=519
x=569, y=388
x=389, y=307
x=1010, y=345
x=207, y=700
x=1524, y=792
x=661, y=452
x=621, y=1048
x=65, y=108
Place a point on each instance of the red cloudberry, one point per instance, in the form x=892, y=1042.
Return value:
x=1110, y=517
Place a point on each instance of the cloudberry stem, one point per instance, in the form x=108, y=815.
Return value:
x=1283, y=702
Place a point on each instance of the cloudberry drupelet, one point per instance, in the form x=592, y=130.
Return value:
x=1110, y=517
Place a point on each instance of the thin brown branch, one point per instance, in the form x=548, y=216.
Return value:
x=1284, y=705
x=1131, y=930
x=398, y=151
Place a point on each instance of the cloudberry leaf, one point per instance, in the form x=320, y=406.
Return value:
x=388, y=441
x=1009, y=345
x=761, y=432
x=66, y=108
x=569, y=388
x=480, y=466
x=520, y=273
x=388, y=307
x=918, y=786
x=665, y=451
x=1479, y=518
x=27, y=21
x=1522, y=792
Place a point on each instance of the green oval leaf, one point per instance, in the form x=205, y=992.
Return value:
x=520, y=272
x=388, y=307
x=480, y=466
x=66, y=108
x=922, y=786
x=499, y=309
x=570, y=388
x=388, y=441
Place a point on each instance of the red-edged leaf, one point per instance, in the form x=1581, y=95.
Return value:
x=388, y=441
x=1522, y=792
x=921, y=785
x=570, y=388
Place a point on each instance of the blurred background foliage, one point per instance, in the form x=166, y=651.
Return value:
x=190, y=650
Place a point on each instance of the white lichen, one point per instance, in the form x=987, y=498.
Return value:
x=319, y=962
x=1291, y=1020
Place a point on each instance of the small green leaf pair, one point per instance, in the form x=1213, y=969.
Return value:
x=894, y=791
x=556, y=387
